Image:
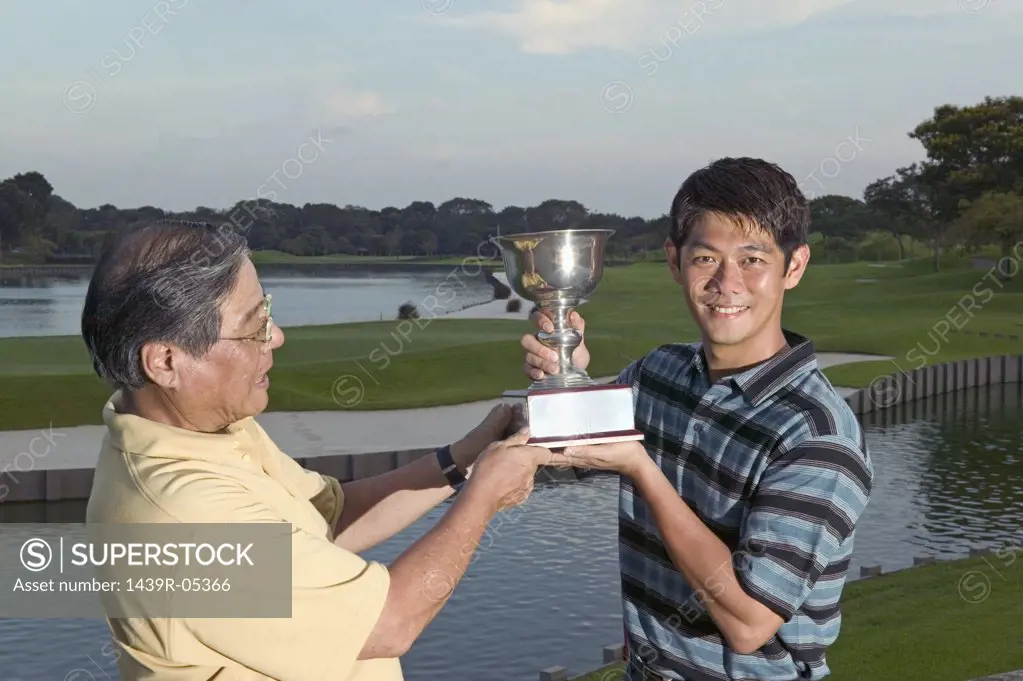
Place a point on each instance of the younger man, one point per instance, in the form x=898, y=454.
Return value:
x=737, y=512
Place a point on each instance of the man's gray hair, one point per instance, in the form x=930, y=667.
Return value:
x=159, y=281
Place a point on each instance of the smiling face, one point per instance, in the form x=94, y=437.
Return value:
x=734, y=280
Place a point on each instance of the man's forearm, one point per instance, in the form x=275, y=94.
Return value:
x=706, y=563
x=379, y=507
x=425, y=575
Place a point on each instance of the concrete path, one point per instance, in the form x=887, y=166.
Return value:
x=300, y=434
x=830, y=359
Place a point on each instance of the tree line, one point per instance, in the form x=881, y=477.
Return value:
x=967, y=193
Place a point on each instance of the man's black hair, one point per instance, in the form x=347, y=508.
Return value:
x=752, y=192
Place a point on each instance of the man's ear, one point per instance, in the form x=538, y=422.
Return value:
x=797, y=266
x=673, y=255
x=160, y=364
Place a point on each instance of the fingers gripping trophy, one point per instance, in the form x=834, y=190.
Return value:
x=557, y=270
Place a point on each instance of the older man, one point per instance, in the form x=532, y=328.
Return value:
x=176, y=320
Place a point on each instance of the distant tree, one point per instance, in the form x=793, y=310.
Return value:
x=462, y=206
x=905, y=202
x=24, y=204
x=426, y=242
x=971, y=151
x=996, y=217
x=408, y=310
x=556, y=214
x=839, y=217
x=899, y=206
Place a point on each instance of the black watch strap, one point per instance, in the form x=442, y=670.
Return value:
x=450, y=469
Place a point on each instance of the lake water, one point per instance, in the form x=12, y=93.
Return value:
x=53, y=306
x=544, y=590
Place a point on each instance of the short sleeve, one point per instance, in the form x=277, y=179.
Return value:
x=803, y=511
x=337, y=598
x=329, y=499
x=323, y=491
x=629, y=374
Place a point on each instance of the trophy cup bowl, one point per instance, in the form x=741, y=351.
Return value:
x=557, y=270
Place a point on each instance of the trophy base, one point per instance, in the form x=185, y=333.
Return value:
x=584, y=415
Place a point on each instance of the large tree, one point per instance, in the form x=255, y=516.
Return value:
x=971, y=150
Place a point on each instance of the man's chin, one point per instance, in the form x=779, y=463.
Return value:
x=724, y=331
x=723, y=340
x=257, y=401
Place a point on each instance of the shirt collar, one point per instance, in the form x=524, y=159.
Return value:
x=763, y=380
x=144, y=437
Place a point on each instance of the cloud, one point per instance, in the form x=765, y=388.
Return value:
x=570, y=26
x=567, y=26
x=563, y=26
x=351, y=104
x=933, y=8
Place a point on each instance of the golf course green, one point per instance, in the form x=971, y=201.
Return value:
x=904, y=310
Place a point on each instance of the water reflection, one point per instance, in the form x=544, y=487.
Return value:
x=543, y=589
x=959, y=471
x=48, y=306
x=28, y=306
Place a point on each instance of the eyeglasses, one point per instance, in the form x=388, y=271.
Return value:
x=265, y=333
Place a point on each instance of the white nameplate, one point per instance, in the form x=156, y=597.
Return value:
x=594, y=415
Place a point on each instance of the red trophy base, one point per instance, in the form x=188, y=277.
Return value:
x=584, y=415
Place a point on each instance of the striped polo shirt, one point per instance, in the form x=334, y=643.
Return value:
x=775, y=463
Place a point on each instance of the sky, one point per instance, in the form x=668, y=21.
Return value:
x=186, y=103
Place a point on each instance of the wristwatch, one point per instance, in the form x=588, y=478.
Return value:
x=450, y=469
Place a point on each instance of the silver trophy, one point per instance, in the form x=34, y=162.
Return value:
x=557, y=270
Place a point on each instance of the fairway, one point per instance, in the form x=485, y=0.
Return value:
x=392, y=365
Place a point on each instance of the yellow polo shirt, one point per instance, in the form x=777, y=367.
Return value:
x=149, y=472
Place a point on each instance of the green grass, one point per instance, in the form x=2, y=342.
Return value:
x=950, y=621
x=447, y=361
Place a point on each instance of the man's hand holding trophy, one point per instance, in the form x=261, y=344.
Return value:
x=557, y=270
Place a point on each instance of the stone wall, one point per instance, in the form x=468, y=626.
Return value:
x=901, y=387
x=74, y=484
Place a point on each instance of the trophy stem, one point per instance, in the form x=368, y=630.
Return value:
x=564, y=339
